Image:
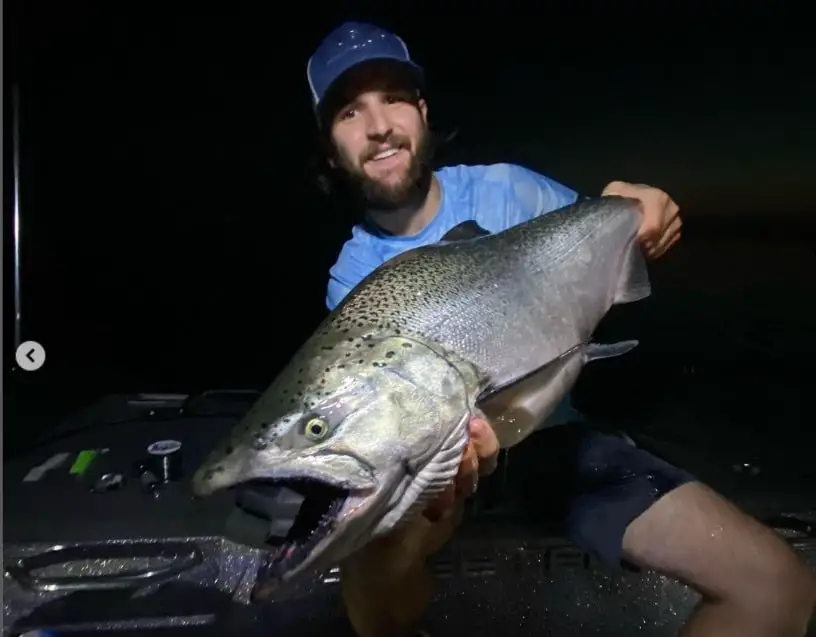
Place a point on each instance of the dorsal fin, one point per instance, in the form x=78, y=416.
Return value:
x=462, y=232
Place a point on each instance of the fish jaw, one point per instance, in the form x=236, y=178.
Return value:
x=337, y=488
x=344, y=527
x=339, y=469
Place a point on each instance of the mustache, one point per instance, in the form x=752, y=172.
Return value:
x=391, y=142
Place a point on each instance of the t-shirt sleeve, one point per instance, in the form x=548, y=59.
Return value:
x=336, y=292
x=529, y=194
x=352, y=266
x=536, y=194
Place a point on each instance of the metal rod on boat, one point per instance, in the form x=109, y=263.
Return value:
x=16, y=134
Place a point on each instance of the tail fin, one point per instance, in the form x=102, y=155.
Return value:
x=634, y=282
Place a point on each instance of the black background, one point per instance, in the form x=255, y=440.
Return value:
x=173, y=238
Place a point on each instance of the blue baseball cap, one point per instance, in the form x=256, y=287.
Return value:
x=348, y=45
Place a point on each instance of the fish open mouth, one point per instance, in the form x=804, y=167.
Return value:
x=287, y=518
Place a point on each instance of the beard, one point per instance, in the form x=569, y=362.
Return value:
x=373, y=194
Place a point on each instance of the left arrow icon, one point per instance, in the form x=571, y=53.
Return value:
x=30, y=356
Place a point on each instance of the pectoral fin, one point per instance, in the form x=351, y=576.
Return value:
x=519, y=409
x=515, y=411
x=597, y=351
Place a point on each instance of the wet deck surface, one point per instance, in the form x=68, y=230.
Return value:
x=507, y=570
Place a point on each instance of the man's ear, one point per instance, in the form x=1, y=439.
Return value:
x=423, y=109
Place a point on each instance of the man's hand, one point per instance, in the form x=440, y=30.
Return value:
x=661, y=225
x=481, y=457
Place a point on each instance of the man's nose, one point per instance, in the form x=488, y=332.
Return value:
x=378, y=125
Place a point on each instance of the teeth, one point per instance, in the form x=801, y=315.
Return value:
x=386, y=153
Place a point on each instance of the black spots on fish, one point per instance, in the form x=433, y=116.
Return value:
x=400, y=296
x=372, y=344
x=378, y=364
x=407, y=345
x=341, y=366
x=390, y=354
x=360, y=362
x=327, y=348
x=348, y=354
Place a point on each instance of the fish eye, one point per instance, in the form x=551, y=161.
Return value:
x=316, y=429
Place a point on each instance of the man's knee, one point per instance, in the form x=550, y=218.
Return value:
x=697, y=536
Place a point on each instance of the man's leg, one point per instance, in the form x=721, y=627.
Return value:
x=752, y=582
x=634, y=507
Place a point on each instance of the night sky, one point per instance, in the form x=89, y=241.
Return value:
x=173, y=235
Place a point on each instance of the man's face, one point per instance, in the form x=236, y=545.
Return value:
x=381, y=141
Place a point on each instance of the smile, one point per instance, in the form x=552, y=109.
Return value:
x=385, y=154
x=388, y=160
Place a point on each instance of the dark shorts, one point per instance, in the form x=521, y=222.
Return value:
x=596, y=484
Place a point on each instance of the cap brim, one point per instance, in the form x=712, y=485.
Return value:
x=371, y=70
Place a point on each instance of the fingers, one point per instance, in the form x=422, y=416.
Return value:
x=671, y=236
x=485, y=444
x=659, y=212
x=660, y=229
x=468, y=477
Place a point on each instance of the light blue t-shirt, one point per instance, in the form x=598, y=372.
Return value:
x=496, y=197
